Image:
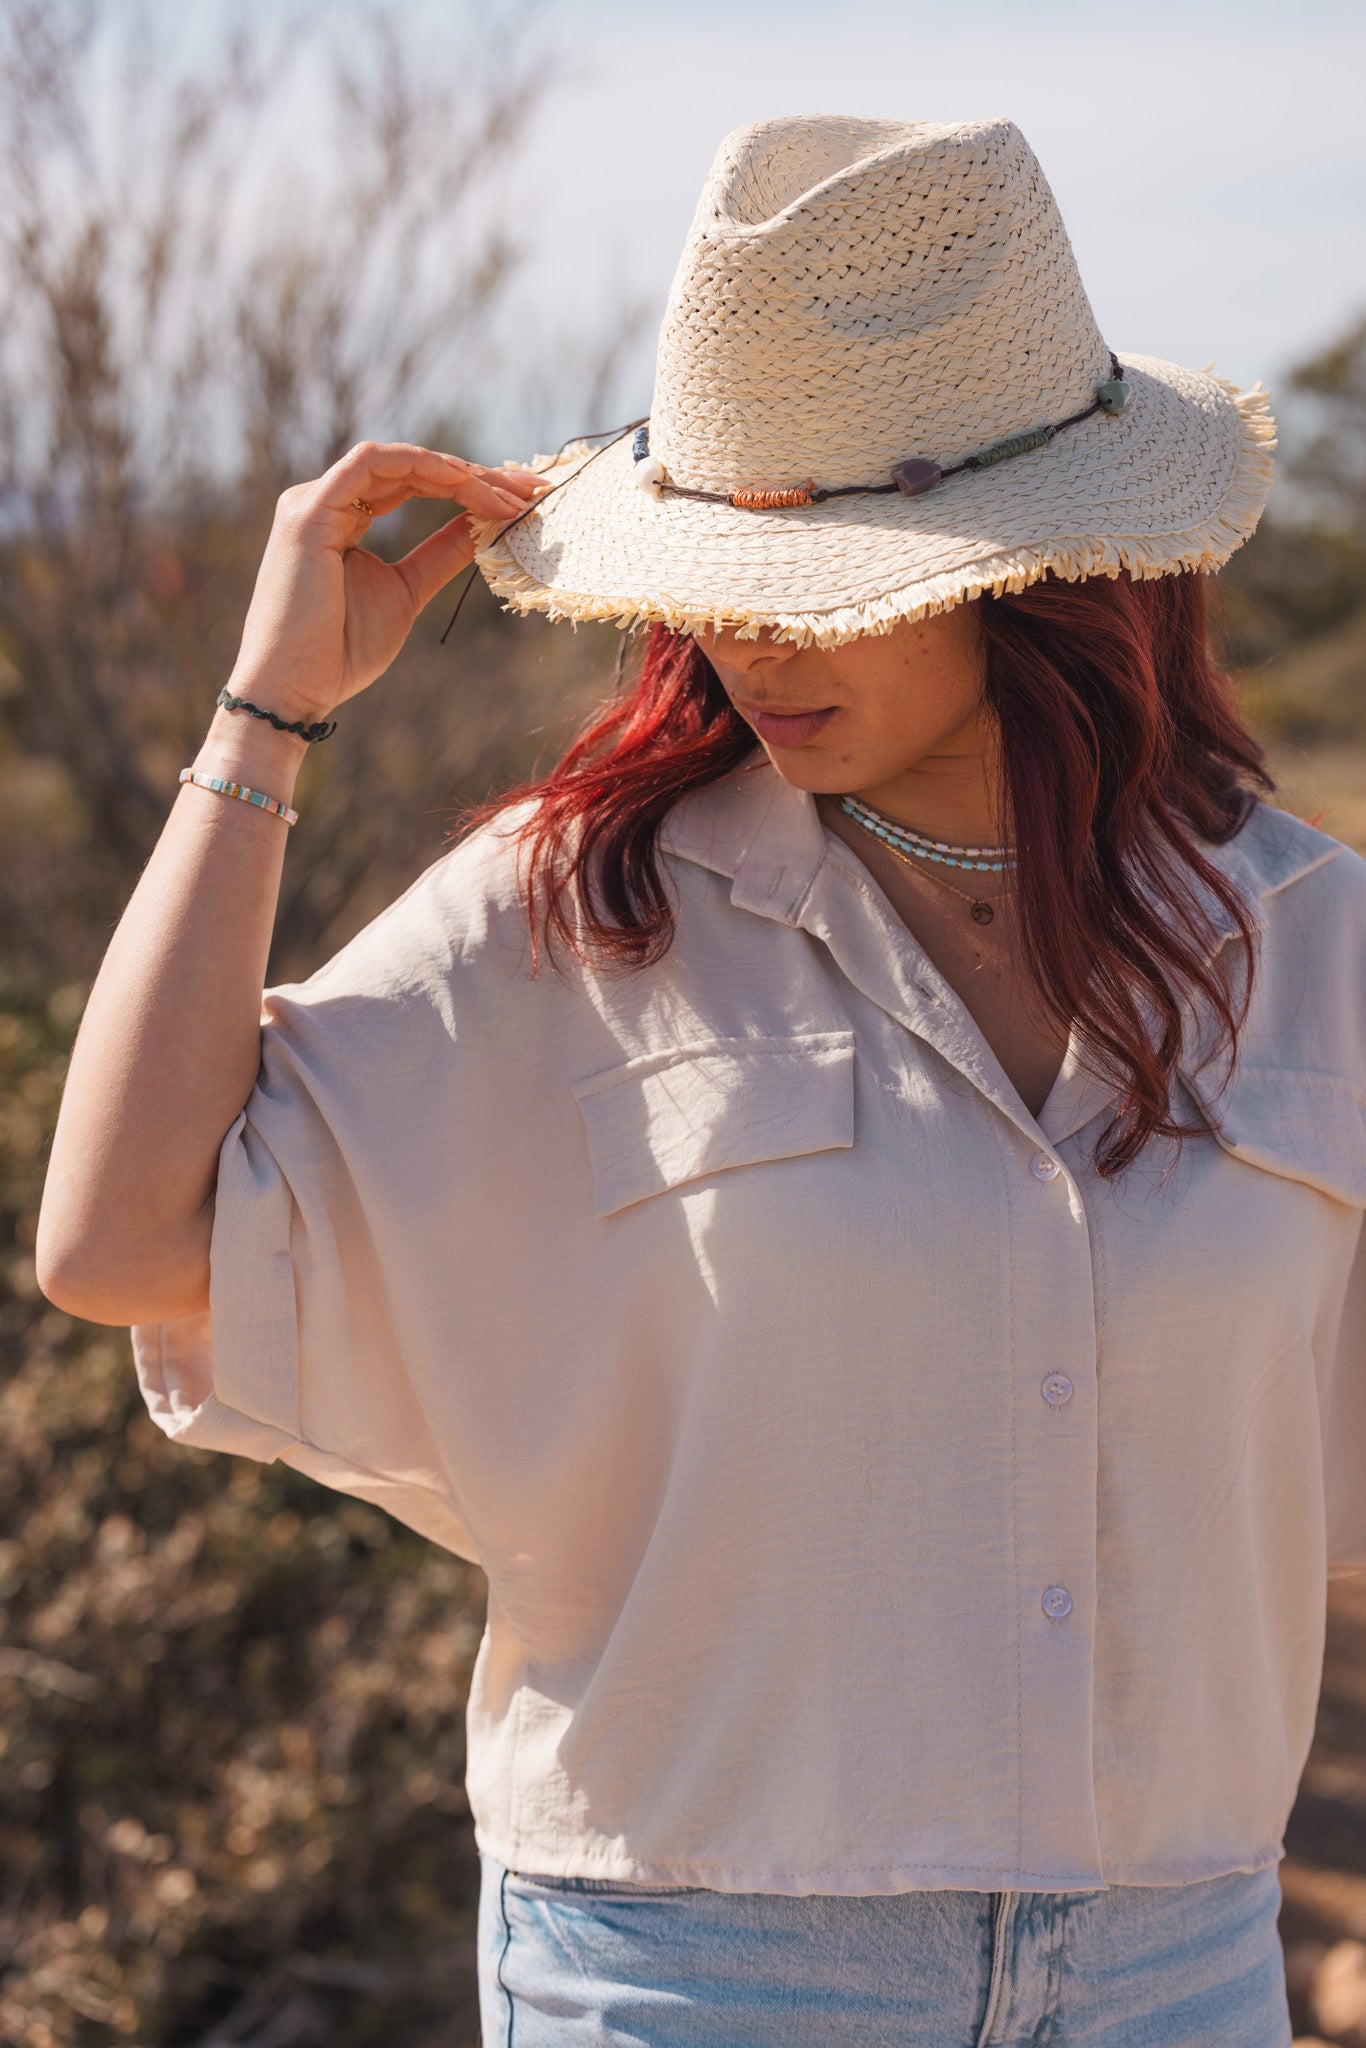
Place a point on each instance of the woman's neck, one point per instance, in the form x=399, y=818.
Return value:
x=951, y=794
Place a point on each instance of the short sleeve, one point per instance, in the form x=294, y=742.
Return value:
x=1295, y=1103
x=1343, y=1407
x=333, y=1265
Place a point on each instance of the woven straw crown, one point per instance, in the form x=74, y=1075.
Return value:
x=852, y=294
x=836, y=310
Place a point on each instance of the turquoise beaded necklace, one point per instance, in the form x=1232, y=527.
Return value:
x=914, y=847
x=983, y=860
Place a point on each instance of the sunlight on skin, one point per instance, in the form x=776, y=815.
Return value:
x=904, y=726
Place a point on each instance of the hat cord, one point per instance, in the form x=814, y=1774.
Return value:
x=609, y=440
x=909, y=478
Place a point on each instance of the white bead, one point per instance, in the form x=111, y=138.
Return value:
x=649, y=474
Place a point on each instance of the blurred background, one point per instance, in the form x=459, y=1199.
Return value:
x=234, y=239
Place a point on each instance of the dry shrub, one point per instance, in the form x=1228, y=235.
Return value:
x=222, y=262
x=231, y=1704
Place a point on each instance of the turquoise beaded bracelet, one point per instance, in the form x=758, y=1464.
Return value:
x=239, y=789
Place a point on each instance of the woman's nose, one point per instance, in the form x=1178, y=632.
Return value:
x=741, y=656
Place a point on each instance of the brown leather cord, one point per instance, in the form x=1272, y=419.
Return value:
x=815, y=494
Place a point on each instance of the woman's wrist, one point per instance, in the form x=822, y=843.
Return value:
x=248, y=750
x=271, y=687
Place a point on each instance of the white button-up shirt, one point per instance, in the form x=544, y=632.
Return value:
x=872, y=1497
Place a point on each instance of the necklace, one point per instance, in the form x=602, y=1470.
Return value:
x=979, y=907
x=919, y=846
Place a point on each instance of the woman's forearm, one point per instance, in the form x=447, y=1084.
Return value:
x=169, y=1046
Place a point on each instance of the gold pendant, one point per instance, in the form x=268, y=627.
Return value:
x=982, y=912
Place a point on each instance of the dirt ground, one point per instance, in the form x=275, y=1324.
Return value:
x=1323, y=1877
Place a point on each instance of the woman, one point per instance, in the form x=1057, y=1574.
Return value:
x=857, y=1234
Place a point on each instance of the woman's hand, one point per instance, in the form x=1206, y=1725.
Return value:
x=326, y=616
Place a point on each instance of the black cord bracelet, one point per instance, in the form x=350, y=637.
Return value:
x=310, y=733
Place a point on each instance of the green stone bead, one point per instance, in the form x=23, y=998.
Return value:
x=1113, y=396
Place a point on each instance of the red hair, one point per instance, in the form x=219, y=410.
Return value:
x=1121, y=749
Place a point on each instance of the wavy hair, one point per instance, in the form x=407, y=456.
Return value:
x=1122, y=751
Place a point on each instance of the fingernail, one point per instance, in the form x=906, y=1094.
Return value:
x=458, y=462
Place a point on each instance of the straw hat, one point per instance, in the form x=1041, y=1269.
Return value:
x=858, y=297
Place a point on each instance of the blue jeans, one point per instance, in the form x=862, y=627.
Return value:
x=565, y=1961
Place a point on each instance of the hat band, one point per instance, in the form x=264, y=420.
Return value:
x=910, y=478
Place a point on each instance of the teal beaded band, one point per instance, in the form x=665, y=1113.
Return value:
x=220, y=787
x=917, y=846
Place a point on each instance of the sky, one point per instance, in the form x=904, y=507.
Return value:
x=1209, y=160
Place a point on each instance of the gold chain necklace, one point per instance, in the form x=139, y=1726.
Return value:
x=980, y=907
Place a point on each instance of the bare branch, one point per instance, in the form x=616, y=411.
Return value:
x=224, y=260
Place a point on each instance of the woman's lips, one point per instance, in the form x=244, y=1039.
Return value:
x=788, y=728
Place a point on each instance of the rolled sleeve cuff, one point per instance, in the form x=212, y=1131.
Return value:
x=227, y=1378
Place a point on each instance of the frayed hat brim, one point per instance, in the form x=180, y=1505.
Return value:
x=1177, y=482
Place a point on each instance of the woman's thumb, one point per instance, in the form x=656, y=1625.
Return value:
x=430, y=566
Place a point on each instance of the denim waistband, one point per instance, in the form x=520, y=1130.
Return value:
x=569, y=1961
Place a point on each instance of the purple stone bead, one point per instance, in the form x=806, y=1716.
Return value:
x=916, y=475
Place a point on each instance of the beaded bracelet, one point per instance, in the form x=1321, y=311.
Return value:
x=311, y=733
x=220, y=787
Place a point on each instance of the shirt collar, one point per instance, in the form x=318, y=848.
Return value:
x=765, y=836
x=768, y=839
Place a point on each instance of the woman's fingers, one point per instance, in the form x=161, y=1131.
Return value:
x=485, y=501
x=327, y=617
x=510, y=474
x=504, y=502
x=384, y=475
x=429, y=566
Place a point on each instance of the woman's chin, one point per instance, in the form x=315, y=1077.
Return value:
x=824, y=771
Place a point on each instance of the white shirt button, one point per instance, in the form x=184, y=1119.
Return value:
x=1057, y=1603
x=1044, y=1168
x=1056, y=1389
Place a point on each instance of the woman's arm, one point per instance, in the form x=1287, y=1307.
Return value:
x=169, y=1046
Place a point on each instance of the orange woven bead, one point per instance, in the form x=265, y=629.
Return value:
x=767, y=501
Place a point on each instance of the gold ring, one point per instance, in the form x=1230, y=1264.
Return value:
x=362, y=506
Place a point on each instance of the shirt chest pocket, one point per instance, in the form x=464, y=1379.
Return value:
x=664, y=1119
x=1304, y=1126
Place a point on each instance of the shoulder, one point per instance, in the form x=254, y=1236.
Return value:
x=1309, y=1003
x=461, y=922
x=1285, y=852
x=1304, y=878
